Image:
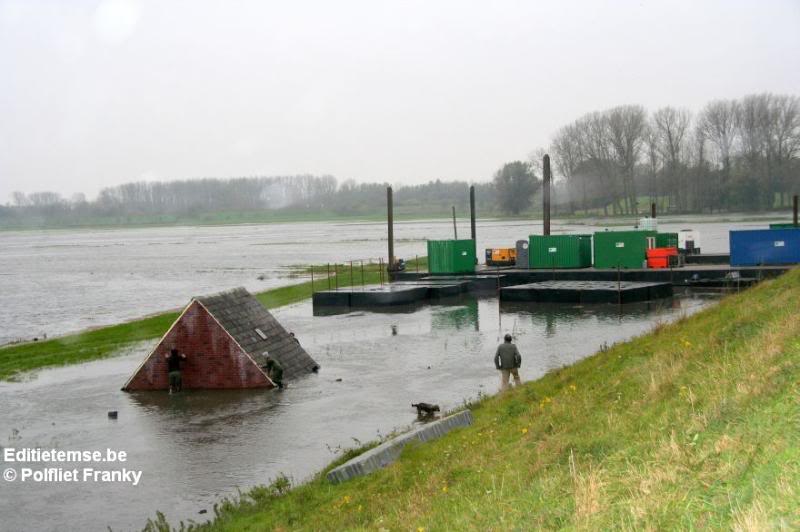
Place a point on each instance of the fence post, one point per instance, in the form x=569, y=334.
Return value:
x=336, y=274
x=351, y=273
x=362, y=274
x=329, y=276
x=312, y=279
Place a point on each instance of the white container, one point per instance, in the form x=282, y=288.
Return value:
x=648, y=224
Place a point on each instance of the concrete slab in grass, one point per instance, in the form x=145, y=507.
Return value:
x=387, y=452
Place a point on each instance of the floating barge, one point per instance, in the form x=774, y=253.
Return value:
x=405, y=292
x=586, y=292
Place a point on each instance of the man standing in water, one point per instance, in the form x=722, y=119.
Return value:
x=508, y=360
x=274, y=371
x=174, y=360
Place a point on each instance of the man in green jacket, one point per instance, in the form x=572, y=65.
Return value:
x=274, y=371
x=508, y=360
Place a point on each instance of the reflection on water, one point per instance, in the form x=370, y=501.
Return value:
x=197, y=446
x=462, y=316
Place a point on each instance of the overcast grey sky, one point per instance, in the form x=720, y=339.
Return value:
x=94, y=93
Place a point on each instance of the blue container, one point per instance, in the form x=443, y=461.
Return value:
x=765, y=246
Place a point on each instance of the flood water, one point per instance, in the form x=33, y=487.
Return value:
x=55, y=282
x=195, y=447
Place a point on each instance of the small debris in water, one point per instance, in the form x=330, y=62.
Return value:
x=339, y=380
x=203, y=511
x=112, y=414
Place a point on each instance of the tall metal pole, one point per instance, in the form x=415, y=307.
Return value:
x=455, y=230
x=546, y=194
x=472, y=212
x=390, y=218
x=472, y=221
x=794, y=209
x=652, y=210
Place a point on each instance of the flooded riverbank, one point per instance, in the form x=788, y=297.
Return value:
x=56, y=282
x=196, y=447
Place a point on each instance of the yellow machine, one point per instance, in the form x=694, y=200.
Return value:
x=501, y=256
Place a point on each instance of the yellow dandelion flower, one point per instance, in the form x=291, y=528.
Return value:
x=525, y=430
x=444, y=489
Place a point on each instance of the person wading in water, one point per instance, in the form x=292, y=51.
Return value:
x=174, y=360
x=508, y=360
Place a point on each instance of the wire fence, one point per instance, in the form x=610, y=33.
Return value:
x=359, y=272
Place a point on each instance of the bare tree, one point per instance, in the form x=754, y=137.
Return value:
x=626, y=133
x=567, y=156
x=671, y=127
x=718, y=124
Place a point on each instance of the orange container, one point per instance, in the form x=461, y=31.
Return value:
x=658, y=262
x=662, y=253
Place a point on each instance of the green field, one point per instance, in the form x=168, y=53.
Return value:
x=108, y=341
x=693, y=426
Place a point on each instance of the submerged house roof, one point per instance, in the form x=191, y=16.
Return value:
x=243, y=317
x=224, y=337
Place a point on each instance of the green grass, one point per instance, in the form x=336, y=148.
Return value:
x=693, y=426
x=108, y=341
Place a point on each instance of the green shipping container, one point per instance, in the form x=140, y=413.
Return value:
x=624, y=249
x=782, y=226
x=560, y=251
x=667, y=240
x=451, y=256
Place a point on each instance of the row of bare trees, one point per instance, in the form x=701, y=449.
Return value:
x=733, y=155
x=301, y=193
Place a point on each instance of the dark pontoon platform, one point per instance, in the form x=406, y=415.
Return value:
x=586, y=292
x=398, y=293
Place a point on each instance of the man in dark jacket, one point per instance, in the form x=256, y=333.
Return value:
x=274, y=371
x=174, y=360
x=508, y=360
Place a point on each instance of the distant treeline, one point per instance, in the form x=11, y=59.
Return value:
x=190, y=199
x=735, y=155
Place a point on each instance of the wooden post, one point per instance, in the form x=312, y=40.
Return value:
x=455, y=229
x=351, y=273
x=336, y=274
x=362, y=274
x=329, y=276
x=312, y=279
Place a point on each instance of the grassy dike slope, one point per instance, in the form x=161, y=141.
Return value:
x=108, y=341
x=696, y=425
